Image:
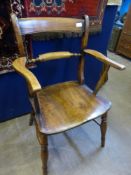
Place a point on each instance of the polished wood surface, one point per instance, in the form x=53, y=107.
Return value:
x=101, y=81
x=83, y=46
x=103, y=128
x=63, y=106
x=67, y=105
x=104, y=59
x=18, y=36
x=124, y=44
x=43, y=141
x=54, y=24
x=55, y=55
x=19, y=66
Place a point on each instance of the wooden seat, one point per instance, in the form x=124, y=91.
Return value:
x=67, y=105
x=63, y=106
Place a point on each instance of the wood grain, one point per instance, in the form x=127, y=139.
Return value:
x=54, y=56
x=62, y=106
x=103, y=128
x=43, y=141
x=19, y=66
x=104, y=59
x=18, y=36
x=83, y=46
x=101, y=81
x=50, y=24
x=124, y=44
x=67, y=105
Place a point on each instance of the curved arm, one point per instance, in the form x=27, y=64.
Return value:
x=104, y=59
x=19, y=66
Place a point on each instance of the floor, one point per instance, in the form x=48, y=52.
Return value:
x=77, y=152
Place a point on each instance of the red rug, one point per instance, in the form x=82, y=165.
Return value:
x=62, y=7
x=67, y=8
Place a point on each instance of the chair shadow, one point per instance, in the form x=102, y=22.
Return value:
x=78, y=148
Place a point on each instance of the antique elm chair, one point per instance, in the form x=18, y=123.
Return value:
x=63, y=106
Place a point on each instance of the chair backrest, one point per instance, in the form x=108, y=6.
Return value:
x=29, y=26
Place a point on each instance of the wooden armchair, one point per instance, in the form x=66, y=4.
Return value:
x=62, y=106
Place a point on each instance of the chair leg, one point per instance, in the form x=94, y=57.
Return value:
x=43, y=141
x=31, y=120
x=103, y=128
x=44, y=156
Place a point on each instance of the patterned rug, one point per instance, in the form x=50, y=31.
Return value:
x=62, y=7
x=68, y=8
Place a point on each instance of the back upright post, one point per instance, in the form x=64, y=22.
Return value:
x=83, y=46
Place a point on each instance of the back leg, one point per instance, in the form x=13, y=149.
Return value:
x=31, y=120
x=103, y=128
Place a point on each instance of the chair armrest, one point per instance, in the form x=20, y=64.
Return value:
x=104, y=59
x=19, y=66
x=54, y=56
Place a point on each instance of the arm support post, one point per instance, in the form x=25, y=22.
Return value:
x=108, y=62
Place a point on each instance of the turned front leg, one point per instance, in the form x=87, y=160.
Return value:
x=43, y=141
x=103, y=127
x=44, y=154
